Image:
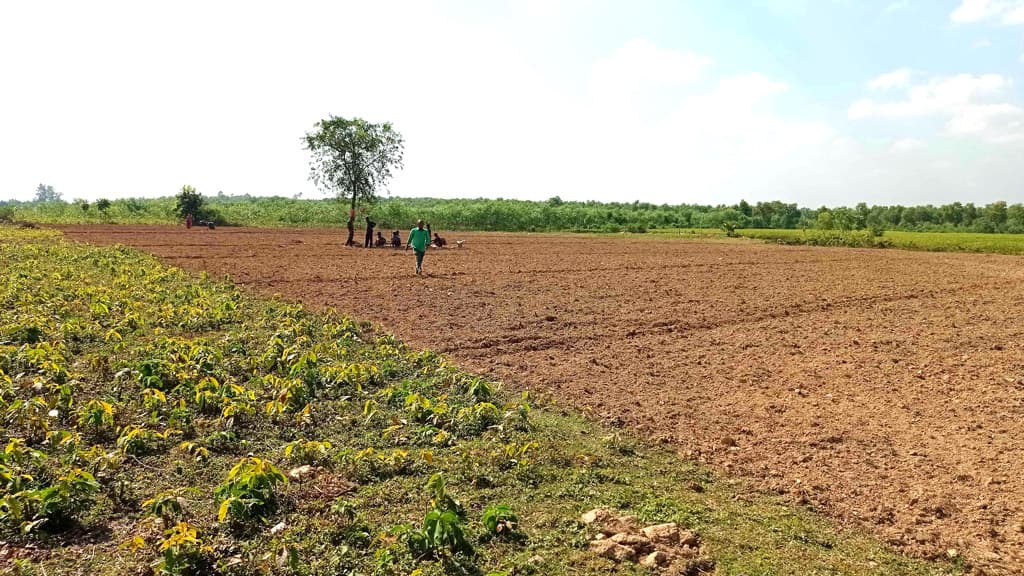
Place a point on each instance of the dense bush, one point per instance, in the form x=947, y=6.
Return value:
x=533, y=216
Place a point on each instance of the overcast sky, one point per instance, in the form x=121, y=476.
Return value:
x=809, y=101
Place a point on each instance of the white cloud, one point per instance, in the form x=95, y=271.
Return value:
x=964, y=101
x=718, y=141
x=974, y=11
x=749, y=89
x=640, y=65
x=905, y=144
x=897, y=6
x=1005, y=11
x=889, y=80
x=977, y=119
x=1014, y=15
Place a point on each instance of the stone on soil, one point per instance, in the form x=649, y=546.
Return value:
x=612, y=551
x=301, y=472
x=596, y=515
x=619, y=525
x=689, y=539
x=635, y=541
x=663, y=533
x=654, y=559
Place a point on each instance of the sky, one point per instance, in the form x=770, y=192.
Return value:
x=818, y=102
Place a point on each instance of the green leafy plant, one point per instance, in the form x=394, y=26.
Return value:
x=53, y=507
x=249, y=490
x=168, y=506
x=182, y=552
x=308, y=451
x=292, y=395
x=443, y=533
x=197, y=452
x=97, y=416
x=499, y=521
x=480, y=389
x=138, y=441
x=343, y=508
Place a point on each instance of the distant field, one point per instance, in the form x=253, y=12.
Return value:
x=928, y=241
x=958, y=242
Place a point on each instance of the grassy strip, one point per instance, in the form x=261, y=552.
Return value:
x=925, y=241
x=144, y=407
x=848, y=239
x=958, y=242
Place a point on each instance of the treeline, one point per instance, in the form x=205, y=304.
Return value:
x=524, y=215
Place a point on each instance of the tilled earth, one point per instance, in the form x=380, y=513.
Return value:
x=883, y=387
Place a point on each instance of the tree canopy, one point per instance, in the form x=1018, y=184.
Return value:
x=352, y=157
x=188, y=201
x=46, y=193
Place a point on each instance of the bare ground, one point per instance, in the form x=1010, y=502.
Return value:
x=884, y=387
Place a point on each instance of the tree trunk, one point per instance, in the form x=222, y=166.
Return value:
x=352, y=220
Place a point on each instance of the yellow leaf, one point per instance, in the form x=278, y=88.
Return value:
x=133, y=545
x=222, y=513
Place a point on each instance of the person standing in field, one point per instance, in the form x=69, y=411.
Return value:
x=369, y=233
x=419, y=237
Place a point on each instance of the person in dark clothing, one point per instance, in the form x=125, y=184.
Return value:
x=396, y=239
x=439, y=242
x=369, y=233
x=380, y=242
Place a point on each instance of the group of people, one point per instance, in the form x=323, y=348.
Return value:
x=396, y=239
x=419, y=238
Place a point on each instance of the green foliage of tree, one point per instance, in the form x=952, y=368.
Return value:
x=554, y=214
x=353, y=158
x=46, y=193
x=103, y=205
x=188, y=201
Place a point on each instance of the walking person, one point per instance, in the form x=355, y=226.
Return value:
x=419, y=237
x=369, y=233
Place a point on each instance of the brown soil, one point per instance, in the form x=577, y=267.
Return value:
x=884, y=387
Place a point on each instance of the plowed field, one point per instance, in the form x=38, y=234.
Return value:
x=883, y=387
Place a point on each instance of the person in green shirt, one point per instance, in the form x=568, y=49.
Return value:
x=419, y=237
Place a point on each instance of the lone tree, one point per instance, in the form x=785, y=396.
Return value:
x=353, y=158
x=46, y=193
x=188, y=201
